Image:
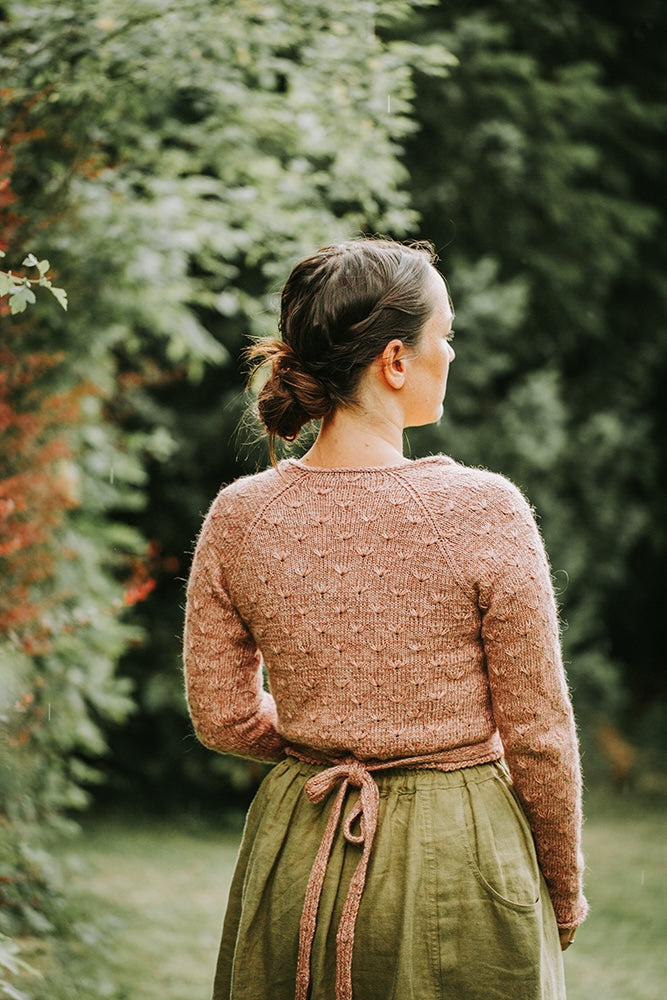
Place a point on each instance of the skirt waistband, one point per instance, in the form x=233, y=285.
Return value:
x=405, y=779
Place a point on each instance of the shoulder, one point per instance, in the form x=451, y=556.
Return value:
x=468, y=491
x=486, y=522
x=237, y=506
x=246, y=498
x=247, y=492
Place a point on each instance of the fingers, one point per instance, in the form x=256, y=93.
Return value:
x=566, y=935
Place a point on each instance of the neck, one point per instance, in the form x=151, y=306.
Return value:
x=352, y=439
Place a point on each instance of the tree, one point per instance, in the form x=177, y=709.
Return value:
x=213, y=159
x=552, y=229
x=58, y=641
x=173, y=159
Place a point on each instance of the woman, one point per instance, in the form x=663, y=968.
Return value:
x=420, y=836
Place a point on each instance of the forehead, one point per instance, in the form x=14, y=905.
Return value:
x=440, y=294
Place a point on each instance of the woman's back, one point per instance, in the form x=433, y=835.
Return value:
x=400, y=612
x=361, y=588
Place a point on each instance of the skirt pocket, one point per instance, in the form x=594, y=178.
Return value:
x=499, y=843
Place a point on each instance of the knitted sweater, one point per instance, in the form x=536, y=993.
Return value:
x=399, y=612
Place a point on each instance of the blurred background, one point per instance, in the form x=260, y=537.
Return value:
x=171, y=161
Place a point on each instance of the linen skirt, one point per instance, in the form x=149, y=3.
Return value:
x=454, y=906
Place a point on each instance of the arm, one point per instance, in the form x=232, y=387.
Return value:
x=230, y=710
x=531, y=703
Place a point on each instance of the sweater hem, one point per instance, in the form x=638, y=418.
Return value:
x=448, y=759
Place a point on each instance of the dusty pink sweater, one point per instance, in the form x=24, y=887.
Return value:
x=400, y=612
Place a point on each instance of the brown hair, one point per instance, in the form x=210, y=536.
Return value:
x=339, y=309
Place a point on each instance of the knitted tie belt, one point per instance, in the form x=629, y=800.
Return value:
x=345, y=772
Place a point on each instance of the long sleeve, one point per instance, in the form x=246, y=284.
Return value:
x=531, y=703
x=230, y=710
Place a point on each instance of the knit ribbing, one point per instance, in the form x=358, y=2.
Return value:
x=399, y=612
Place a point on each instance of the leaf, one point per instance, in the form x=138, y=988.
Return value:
x=7, y=283
x=19, y=299
x=30, y=261
x=42, y=267
x=60, y=294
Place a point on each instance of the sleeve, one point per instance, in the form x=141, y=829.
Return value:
x=531, y=703
x=230, y=710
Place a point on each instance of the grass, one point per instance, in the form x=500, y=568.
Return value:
x=167, y=888
x=620, y=952
x=163, y=888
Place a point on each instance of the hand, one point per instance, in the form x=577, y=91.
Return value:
x=566, y=935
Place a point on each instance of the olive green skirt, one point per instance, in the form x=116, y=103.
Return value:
x=454, y=906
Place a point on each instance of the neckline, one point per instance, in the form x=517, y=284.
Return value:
x=408, y=463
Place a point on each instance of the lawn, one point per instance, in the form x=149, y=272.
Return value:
x=163, y=887
x=620, y=951
x=166, y=887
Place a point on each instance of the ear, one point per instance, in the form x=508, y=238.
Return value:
x=392, y=364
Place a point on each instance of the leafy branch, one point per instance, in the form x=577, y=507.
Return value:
x=19, y=288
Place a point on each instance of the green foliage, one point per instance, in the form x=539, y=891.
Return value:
x=60, y=633
x=174, y=159
x=207, y=147
x=18, y=290
x=553, y=234
x=214, y=145
x=59, y=688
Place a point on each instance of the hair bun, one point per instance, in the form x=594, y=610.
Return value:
x=291, y=397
